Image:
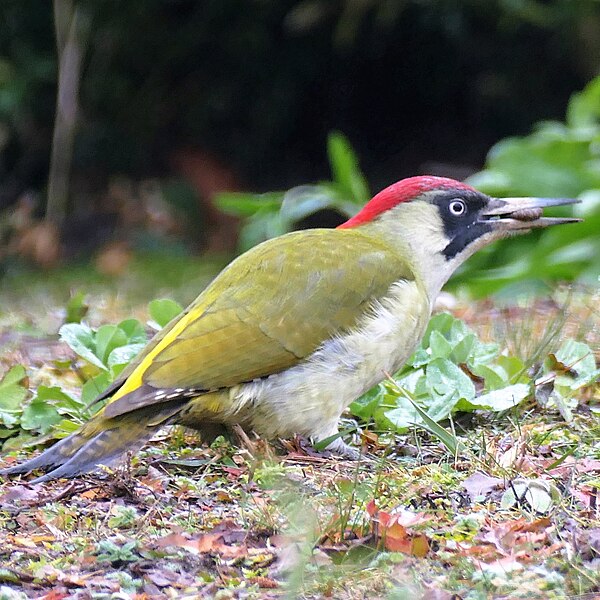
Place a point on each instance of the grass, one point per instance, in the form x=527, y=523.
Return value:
x=513, y=513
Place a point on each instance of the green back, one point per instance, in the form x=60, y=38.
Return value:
x=274, y=306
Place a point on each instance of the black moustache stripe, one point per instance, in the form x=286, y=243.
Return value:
x=464, y=238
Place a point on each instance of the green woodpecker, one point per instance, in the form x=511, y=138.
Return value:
x=295, y=329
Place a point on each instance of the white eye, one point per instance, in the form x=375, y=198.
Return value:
x=457, y=208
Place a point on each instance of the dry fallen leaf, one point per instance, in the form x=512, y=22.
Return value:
x=18, y=495
x=226, y=540
x=480, y=484
x=393, y=530
x=507, y=535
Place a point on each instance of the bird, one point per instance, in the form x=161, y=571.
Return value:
x=298, y=327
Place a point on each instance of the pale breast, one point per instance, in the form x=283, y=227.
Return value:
x=309, y=397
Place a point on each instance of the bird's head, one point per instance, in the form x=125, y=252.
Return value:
x=438, y=222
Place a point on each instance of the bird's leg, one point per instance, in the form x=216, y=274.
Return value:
x=242, y=439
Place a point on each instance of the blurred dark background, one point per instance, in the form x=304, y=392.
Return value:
x=228, y=94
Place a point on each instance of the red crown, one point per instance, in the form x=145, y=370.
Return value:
x=402, y=191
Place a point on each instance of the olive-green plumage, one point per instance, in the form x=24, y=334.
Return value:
x=266, y=311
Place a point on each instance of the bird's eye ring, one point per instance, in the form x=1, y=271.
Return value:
x=457, y=208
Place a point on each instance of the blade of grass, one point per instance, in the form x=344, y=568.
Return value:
x=453, y=445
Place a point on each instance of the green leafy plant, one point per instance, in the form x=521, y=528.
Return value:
x=50, y=413
x=270, y=215
x=110, y=347
x=76, y=308
x=564, y=374
x=53, y=412
x=162, y=311
x=13, y=392
x=108, y=551
x=453, y=371
x=556, y=159
x=123, y=517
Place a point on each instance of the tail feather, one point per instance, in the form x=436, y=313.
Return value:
x=100, y=442
x=51, y=458
x=103, y=449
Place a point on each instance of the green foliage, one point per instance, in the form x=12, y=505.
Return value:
x=559, y=160
x=123, y=517
x=108, y=551
x=443, y=375
x=76, y=308
x=270, y=215
x=53, y=412
x=570, y=369
x=448, y=439
x=162, y=311
x=576, y=362
x=109, y=348
x=12, y=394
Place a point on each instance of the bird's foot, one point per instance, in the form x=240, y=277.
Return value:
x=343, y=450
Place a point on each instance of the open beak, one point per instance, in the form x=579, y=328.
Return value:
x=523, y=213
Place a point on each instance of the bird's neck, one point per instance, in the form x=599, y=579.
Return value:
x=417, y=235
